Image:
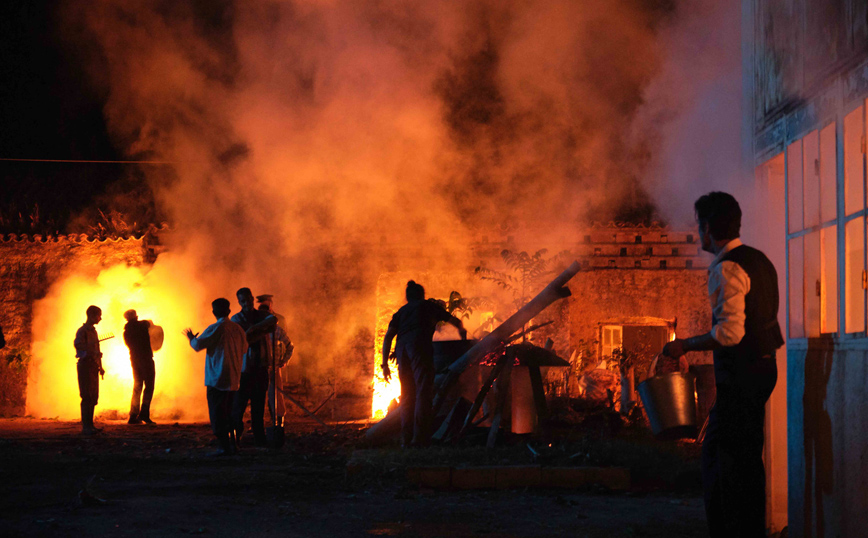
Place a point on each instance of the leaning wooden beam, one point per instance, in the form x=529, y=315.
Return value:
x=502, y=396
x=483, y=392
x=551, y=293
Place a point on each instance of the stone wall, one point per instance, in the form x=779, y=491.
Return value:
x=639, y=297
x=29, y=265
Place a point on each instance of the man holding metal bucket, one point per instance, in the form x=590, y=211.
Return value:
x=743, y=290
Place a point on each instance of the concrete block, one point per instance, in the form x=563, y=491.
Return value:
x=474, y=477
x=517, y=476
x=430, y=477
x=615, y=478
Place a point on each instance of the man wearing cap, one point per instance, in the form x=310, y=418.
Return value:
x=284, y=349
x=138, y=341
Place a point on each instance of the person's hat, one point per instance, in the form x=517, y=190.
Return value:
x=264, y=297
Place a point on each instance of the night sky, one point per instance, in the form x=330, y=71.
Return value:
x=50, y=110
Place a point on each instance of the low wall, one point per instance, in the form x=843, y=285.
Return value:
x=29, y=265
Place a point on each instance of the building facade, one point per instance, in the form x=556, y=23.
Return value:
x=805, y=78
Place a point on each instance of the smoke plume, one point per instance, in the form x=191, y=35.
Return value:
x=309, y=135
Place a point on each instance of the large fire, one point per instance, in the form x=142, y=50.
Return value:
x=385, y=393
x=159, y=294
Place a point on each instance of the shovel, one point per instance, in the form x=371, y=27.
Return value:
x=274, y=433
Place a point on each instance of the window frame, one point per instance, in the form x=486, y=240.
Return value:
x=796, y=200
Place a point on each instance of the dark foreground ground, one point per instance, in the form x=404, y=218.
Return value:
x=156, y=481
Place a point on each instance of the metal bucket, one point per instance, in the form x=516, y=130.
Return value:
x=670, y=403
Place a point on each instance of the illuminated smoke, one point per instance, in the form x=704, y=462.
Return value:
x=158, y=295
x=307, y=133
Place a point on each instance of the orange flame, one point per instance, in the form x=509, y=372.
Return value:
x=162, y=295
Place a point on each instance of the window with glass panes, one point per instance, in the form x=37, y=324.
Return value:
x=812, y=226
x=611, y=338
x=854, y=220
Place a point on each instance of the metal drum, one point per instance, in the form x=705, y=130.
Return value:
x=448, y=351
x=670, y=403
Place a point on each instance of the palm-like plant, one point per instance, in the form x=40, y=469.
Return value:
x=527, y=273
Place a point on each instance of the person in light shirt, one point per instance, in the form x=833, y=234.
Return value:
x=225, y=344
x=743, y=290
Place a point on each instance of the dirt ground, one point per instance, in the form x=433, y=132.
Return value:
x=157, y=481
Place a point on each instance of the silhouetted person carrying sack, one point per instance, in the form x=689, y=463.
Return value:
x=89, y=368
x=138, y=341
x=414, y=325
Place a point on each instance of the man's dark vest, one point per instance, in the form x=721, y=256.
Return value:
x=762, y=333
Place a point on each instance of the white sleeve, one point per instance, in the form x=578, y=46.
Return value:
x=728, y=284
x=208, y=337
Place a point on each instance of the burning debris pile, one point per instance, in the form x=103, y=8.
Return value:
x=449, y=379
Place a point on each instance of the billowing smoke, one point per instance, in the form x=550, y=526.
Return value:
x=691, y=119
x=308, y=134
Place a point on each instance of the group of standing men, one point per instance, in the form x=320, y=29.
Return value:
x=745, y=335
x=240, y=354
x=89, y=367
x=238, y=368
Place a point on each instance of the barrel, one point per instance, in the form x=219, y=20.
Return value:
x=448, y=351
x=670, y=403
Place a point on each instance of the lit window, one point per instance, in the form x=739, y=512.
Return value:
x=827, y=169
x=811, y=177
x=796, y=289
x=794, y=187
x=813, y=242
x=854, y=275
x=611, y=340
x=854, y=161
x=829, y=280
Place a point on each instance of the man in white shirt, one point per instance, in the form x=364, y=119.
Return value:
x=743, y=290
x=225, y=343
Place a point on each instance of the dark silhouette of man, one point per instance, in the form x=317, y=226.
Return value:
x=224, y=343
x=414, y=325
x=743, y=289
x=254, y=373
x=89, y=368
x=138, y=341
